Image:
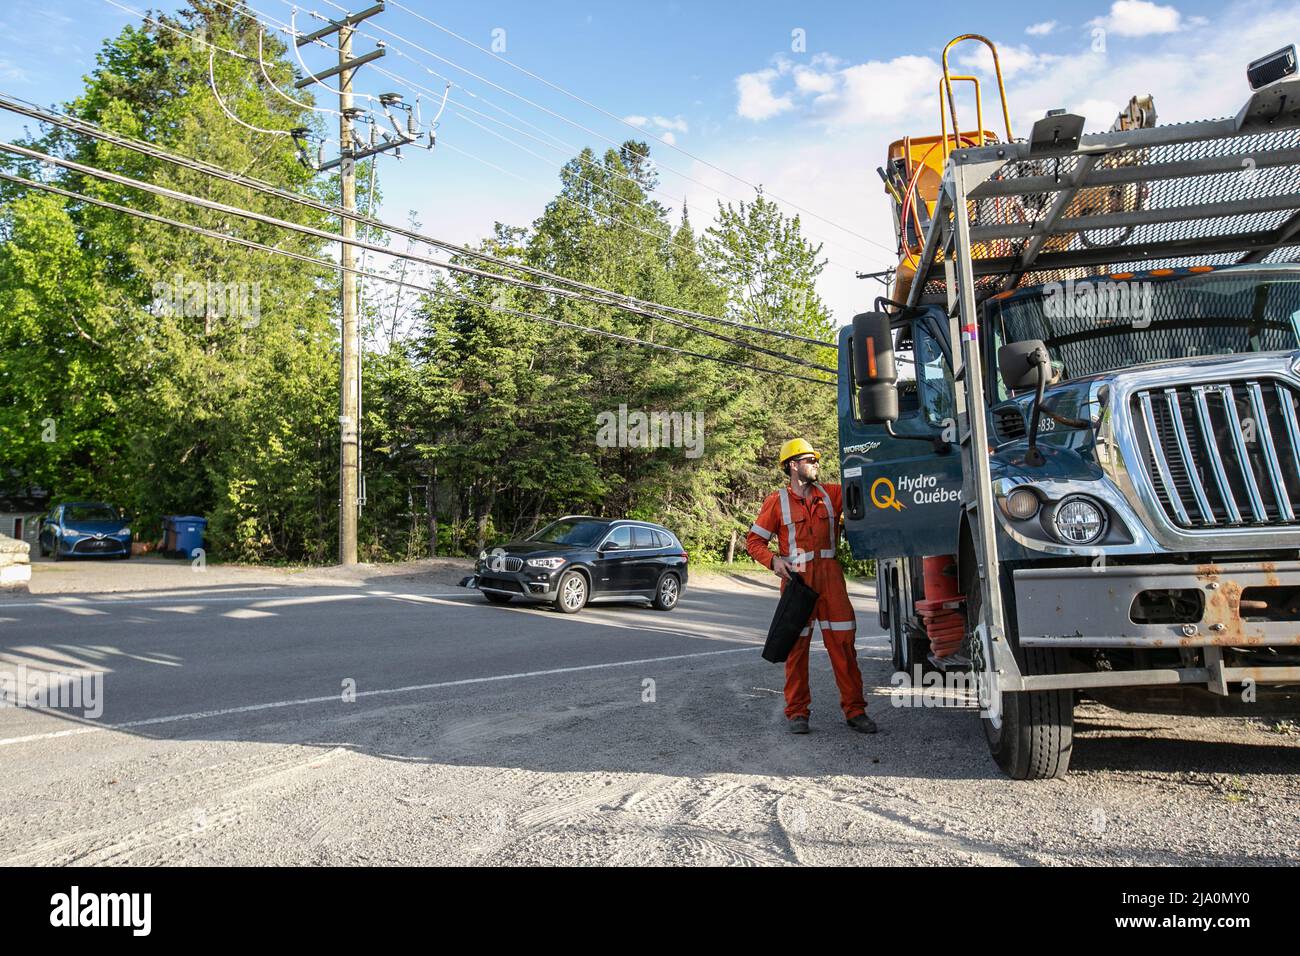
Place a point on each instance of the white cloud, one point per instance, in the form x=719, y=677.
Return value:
x=1014, y=60
x=678, y=124
x=668, y=137
x=1139, y=18
x=12, y=71
x=880, y=90
x=808, y=80
x=1041, y=29
x=757, y=102
x=636, y=120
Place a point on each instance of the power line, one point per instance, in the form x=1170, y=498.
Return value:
x=216, y=93
x=87, y=128
x=332, y=237
x=602, y=110
x=259, y=16
x=567, y=148
x=275, y=87
x=237, y=6
x=337, y=267
x=891, y=252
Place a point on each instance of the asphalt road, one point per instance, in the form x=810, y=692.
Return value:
x=228, y=648
x=401, y=720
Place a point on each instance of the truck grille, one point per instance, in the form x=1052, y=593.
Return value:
x=1222, y=454
x=1009, y=423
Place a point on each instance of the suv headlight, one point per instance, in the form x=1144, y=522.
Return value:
x=1079, y=520
x=551, y=563
x=482, y=555
x=126, y=530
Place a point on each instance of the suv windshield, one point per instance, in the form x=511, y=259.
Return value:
x=575, y=531
x=1098, y=325
x=90, y=513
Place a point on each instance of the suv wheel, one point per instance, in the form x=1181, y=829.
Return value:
x=668, y=592
x=571, y=594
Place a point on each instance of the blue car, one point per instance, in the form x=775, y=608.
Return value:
x=85, y=528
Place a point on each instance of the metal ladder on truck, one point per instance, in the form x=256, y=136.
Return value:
x=1026, y=212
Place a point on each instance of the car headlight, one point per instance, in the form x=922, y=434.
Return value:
x=482, y=555
x=551, y=563
x=126, y=530
x=1079, y=520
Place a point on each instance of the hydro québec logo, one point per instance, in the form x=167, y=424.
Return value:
x=133, y=910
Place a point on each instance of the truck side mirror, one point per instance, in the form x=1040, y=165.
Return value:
x=1019, y=363
x=874, y=371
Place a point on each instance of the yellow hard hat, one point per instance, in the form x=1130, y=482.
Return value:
x=797, y=446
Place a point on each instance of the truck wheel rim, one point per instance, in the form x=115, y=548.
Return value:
x=573, y=590
x=668, y=591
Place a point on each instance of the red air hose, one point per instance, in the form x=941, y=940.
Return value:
x=940, y=610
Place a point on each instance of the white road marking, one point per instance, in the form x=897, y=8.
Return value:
x=252, y=708
x=160, y=602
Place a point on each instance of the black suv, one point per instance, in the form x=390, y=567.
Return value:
x=578, y=558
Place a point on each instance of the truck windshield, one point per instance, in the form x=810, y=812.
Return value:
x=573, y=531
x=1099, y=325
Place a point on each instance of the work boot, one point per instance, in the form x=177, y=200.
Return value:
x=798, y=725
x=862, y=724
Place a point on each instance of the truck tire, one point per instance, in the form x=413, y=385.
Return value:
x=1034, y=737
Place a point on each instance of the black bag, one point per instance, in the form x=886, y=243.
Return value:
x=792, y=614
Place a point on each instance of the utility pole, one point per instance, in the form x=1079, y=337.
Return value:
x=350, y=151
x=349, y=380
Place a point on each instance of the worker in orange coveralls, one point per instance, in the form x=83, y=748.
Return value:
x=804, y=518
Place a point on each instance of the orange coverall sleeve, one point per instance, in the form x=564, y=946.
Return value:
x=764, y=530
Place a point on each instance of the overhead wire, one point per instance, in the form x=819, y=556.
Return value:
x=591, y=132
x=339, y=267
x=194, y=38
x=261, y=16
x=212, y=80
x=214, y=206
x=261, y=64
x=307, y=71
x=625, y=122
x=86, y=128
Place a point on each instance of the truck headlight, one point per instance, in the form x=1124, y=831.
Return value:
x=1079, y=520
x=1021, y=504
x=551, y=563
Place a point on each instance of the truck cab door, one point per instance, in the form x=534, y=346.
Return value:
x=902, y=498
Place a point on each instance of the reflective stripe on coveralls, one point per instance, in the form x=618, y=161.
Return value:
x=830, y=517
x=795, y=553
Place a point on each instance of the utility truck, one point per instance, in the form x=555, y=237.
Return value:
x=1070, y=434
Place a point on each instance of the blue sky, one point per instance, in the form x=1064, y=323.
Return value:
x=734, y=84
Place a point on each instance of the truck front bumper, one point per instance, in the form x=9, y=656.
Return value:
x=1094, y=606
